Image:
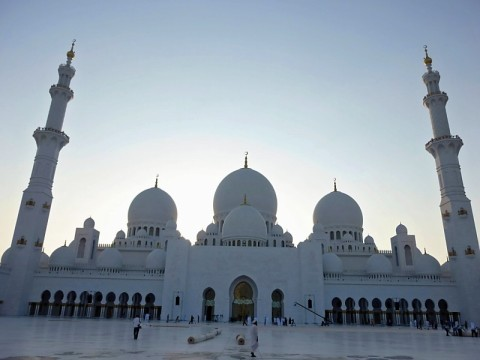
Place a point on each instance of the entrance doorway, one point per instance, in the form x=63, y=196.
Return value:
x=242, y=305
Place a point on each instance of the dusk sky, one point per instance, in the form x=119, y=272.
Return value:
x=313, y=90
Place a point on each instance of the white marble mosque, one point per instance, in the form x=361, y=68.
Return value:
x=244, y=263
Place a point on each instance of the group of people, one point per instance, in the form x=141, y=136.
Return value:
x=457, y=329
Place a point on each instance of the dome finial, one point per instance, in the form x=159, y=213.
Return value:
x=245, y=199
x=427, y=60
x=71, y=53
x=334, y=184
x=246, y=160
x=156, y=182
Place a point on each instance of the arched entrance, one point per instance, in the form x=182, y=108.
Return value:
x=209, y=304
x=242, y=301
x=277, y=304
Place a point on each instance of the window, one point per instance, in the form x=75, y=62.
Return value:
x=81, y=248
x=408, y=255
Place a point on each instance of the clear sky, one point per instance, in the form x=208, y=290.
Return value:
x=313, y=90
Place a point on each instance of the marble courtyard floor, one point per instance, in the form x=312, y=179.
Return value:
x=26, y=338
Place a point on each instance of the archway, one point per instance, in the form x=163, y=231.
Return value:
x=110, y=305
x=350, y=312
x=57, y=303
x=377, y=311
x=337, y=310
x=45, y=302
x=277, y=304
x=444, y=313
x=242, y=301
x=430, y=312
x=364, y=314
x=208, y=304
x=123, y=299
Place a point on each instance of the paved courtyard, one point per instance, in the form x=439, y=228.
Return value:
x=25, y=338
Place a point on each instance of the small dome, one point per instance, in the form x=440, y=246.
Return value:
x=212, y=229
x=142, y=233
x=244, y=222
x=152, y=206
x=401, y=229
x=156, y=260
x=378, y=264
x=236, y=185
x=426, y=265
x=288, y=237
x=110, y=258
x=201, y=235
x=120, y=235
x=171, y=225
x=89, y=223
x=44, y=260
x=369, y=240
x=338, y=209
x=332, y=264
x=6, y=257
x=348, y=238
x=64, y=256
x=277, y=230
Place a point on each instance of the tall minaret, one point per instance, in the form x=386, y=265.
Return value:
x=32, y=219
x=456, y=211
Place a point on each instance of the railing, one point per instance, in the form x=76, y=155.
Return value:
x=52, y=130
x=444, y=137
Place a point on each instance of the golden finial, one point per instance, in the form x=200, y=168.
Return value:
x=246, y=160
x=65, y=243
x=427, y=60
x=71, y=53
x=245, y=199
x=334, y=184
x=156, y=182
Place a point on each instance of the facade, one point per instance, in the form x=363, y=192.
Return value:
x=244, y=264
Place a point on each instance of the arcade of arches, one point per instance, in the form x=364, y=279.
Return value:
x=95, y=305
x=391, y=311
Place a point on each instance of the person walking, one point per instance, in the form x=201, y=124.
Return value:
x=136, y=327
x=254, y=338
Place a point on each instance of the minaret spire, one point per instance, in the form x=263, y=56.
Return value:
x=455, y=208
x=32, y=219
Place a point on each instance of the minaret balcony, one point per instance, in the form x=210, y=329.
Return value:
x=443, y=138
x=51, y=130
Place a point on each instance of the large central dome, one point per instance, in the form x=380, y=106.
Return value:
x=152, y=206
x=249, y=183
x=337, y=209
